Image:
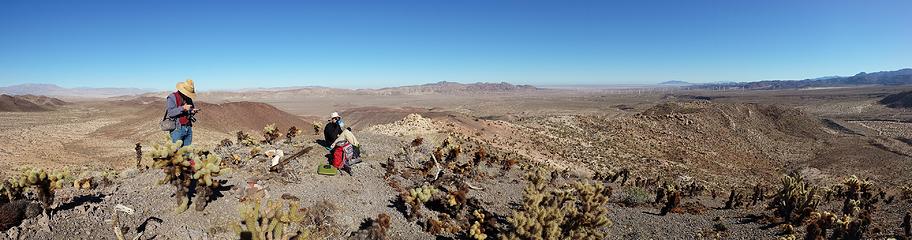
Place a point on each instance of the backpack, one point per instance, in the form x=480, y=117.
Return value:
x=169, y=124
x=343, y=154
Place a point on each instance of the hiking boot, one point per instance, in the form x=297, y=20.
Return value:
x=348, y=170
x=354, y=161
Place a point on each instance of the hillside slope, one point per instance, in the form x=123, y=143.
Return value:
x=28, y=103
x=899, y=100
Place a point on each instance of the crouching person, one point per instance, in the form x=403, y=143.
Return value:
x=346, y=151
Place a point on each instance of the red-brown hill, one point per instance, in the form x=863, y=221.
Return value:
x=233, y=116
x=28, y=103
x=226, y=118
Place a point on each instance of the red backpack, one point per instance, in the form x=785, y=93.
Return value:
x=342, y=154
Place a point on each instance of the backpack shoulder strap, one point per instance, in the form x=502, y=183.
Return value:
x=177, y=100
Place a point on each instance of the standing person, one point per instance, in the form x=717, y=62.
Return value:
x=332, y=129
x=179, y=105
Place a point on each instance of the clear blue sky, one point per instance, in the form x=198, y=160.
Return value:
x=236, y=44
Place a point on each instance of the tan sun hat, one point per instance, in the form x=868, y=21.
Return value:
x=186, y=87
x=334, y=115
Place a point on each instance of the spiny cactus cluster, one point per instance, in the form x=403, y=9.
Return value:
x=84, y=183
x=448, y=151
x=476, y=231
x=375, y=229
x=182, y=165
x=206, y=168
x=292, y=133
x=443, y=224
x=858, y=195
x=43, y=182
x=549, y=213
x=270, y=133
x=672, y=202
x=422, y=194
x=316, y=127
x=273, y=220
x=795, y=200
x=245, y=139
x=735, y=200
x=759, y=195
x=846, y=227
x=435, y=195
x=612, y=176
x=139, y=154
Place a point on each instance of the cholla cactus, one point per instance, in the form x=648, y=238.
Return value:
x=476, y=231
x=672, y=203
x=9, y=192
x=275, y=220
x=206, y=168
x=292, y=133
x=795, y=200
x=859, y=194
x=423, y=194
x=848, y=227
x=448, y=150
x=139, y=154
x=183, y=164
x=84, y=183
x=375, y=230
x=415, y=198
x=245, y=139
x=549, y=213
x=270, y=133
x=734, y=200
x=41, y=181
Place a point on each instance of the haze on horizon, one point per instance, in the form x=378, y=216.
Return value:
x=369, y=44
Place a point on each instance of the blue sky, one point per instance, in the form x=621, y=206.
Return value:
x=238, y=44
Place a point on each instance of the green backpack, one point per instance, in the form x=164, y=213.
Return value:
x=327, y=169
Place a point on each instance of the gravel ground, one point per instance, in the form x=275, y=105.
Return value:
x=85, y=214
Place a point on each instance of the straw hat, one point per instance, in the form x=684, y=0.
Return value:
x=186, y=88
x=334, y=115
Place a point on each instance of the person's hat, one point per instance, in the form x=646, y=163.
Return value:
x=334, y=115
x=186, y=87
x=252, y=180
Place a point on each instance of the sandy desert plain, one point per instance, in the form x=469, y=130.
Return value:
x=500, y=163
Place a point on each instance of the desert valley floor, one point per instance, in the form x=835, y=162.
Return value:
x=713, y=151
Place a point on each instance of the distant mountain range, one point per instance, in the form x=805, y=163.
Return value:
x=676, y=83
x=454, y=87
x=898, y=77
x=57, y=91
x=431, y=88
